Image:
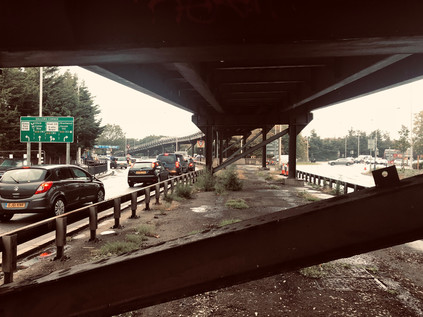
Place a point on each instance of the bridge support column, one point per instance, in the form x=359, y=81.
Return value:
x=264, y=149
x=292, y=157
x=220, y=151
x=209, y=147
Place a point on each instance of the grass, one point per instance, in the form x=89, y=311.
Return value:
x=226, y=222
x=315, y=271
x=131, y=242
x=237, y=204
x=308, y=196
x=117, y=247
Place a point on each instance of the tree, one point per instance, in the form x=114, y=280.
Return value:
x=402, y=144
x=62, y=96
x=112, y=134
x=418, y=133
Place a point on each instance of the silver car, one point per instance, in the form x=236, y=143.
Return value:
x=342, y=161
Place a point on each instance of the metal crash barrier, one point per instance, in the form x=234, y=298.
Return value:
x=11, y=240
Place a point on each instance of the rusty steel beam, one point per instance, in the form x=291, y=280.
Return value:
x=390, y=213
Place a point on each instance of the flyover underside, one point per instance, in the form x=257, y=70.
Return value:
x=343, y=226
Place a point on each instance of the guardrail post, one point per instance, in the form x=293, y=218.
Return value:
x=93, y=223
x=9, y=257
x=157, y=193
x=116, y=213
x=147, y=198
x=165, y=187
x=134, y=205
x=61, y=226
x=172, y=185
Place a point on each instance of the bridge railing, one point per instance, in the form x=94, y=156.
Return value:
x=329, y=182
x=11, y=240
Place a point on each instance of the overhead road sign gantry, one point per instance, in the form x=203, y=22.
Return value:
x=47, y=129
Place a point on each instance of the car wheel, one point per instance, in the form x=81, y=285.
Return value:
x=332, y=164
x=100, y=196
x=59, y=207
x=5, y=217
x=131, y=184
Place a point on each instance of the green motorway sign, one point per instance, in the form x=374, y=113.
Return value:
x=47, y=129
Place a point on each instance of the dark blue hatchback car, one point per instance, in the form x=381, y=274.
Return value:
x=50, y=189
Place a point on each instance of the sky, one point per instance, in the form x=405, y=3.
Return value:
x=140, y=115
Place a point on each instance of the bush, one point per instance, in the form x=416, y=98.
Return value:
x=230, y=180
x=184, y=191
x=206, y=182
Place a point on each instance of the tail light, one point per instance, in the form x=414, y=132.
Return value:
x=44, y=187
x=177, y=165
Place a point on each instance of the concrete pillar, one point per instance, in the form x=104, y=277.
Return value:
x=209, y=147
x=292, y=151
x=264, y=150
x=220, y=151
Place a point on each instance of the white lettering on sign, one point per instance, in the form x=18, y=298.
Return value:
x=52, y=126
x=25, y=126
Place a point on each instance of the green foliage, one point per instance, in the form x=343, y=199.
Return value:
x=144, y=230
x=136, y=238
x=230, y=181
x=112, y=134
x=307, y=196
x=183, y=191
x=118, y=247
x=206, y=182
x=237, y=204
x=403, y=143
x=315, y=272
x=226, y=222
x=62, y=96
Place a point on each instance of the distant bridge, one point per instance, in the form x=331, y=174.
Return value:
x=168, y=144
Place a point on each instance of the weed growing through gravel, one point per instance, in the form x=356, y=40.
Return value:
x=144, y=230
x=206, y=182
x=226, y=222
x=315, y=271
x=237, y=204
x=308, y=196
x=230, y=180
x=131, y=242
x=118, y=247
x=183, y=191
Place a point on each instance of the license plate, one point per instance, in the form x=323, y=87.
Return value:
x=15, y=205
x=141, y=172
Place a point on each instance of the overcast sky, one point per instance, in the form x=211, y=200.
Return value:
x=140, y=115
x=136, y=113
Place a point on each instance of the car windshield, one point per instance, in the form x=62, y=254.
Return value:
x=142, y=165
x=11, y=163
x=23, y=176
x=167, y=159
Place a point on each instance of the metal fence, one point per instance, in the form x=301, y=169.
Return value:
x=96, y=169
x=329, y=182
x=11, y=240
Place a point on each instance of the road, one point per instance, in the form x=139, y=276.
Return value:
x=355, y=174
x=116, y=184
